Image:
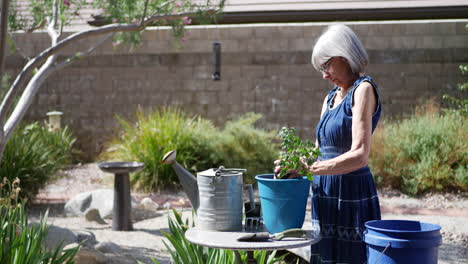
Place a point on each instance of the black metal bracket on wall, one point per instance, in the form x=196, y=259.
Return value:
x=216, y=61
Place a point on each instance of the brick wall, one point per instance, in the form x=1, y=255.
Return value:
x=265, y=68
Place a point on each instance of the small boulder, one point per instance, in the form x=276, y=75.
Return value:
x=92, y=215
x=149, y=204
x=108, y=247
x=59, y=235
x=88, y=256
x=101, y=199
x=167, y=205
x=85, y=238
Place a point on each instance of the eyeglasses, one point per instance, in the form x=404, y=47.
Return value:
x=324, y=67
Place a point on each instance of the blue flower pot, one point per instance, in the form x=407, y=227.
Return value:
x=283, y=202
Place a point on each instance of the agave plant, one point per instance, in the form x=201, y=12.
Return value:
x=182, y=251
x=34, y=154
x=20, y=242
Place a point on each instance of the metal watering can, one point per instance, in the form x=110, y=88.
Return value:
x=215, y=194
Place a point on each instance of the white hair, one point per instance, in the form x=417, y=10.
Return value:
x=340, y=40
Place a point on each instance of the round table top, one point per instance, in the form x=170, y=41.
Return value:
x=228, y=240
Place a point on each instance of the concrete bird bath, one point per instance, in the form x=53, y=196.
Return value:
x=122, y=202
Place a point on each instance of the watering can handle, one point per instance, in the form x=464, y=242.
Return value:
x=221, y=169
x=251, y=196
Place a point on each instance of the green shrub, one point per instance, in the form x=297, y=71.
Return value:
x=33, y=154
x=459, y=103
x=425, y=152
x=182, y=251
x=199, y=144
x=20, y=242
x=241, y=145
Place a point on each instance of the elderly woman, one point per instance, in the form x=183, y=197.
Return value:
x=344, y=194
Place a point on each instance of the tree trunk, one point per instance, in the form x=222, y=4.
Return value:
x=3, y=36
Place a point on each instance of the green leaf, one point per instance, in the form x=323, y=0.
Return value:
x=293, y=148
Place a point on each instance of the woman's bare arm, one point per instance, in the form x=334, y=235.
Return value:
x=357, y=156
x=324, y=108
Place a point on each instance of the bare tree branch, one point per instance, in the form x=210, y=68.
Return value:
x=62, y=44
x=27, y=97
x=144, y=12
x=35, y=83
x=155, y=18
x=17, y=48
x=61, y=29
x=54, y=14
x=162, y=6
x=58, y=23
x=52, y=33
x=38, y=26
x=80, y=55
x=38, y=79
x=45, y=60
x=52, y=28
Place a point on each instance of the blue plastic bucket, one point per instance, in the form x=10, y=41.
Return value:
x=402, y=242
x=283, y=202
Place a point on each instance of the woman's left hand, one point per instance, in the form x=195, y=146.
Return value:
x=304, y=164
x=315, y=168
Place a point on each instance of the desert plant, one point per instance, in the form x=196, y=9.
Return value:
x=455, y=104
x=34, y=154
x=292, y=150
x=122, y=19
x=458, y=104
x=199, y=144
x=424, y=152
x=152, y=135
x=242, y=145
x=182, y=251
x=20, y=242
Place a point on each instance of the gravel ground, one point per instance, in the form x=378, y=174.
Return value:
x=146, y=241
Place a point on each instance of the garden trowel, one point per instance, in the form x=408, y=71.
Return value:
x=265, y=236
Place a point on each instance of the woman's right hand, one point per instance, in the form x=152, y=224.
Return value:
x=277, y=168
x=291, y=174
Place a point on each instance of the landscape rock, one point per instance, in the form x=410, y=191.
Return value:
x=92, y=215
x=148, y=203
x=85, y=238
x=140, y=214
x=88, y=256
x=101, y=199
x=167, y=205
x=146, y=240
x=59, y=235
x=108, y=247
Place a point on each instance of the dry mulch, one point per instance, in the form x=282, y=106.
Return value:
x=449, y=210
x=84, y=177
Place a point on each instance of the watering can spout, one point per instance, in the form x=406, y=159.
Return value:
x=186, y=179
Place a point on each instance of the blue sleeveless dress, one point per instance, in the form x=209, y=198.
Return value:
x=341, y=204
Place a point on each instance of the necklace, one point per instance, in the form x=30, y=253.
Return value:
x=343, y=94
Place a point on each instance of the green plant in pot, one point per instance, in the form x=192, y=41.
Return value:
x=284, y=194
x=288, y=166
